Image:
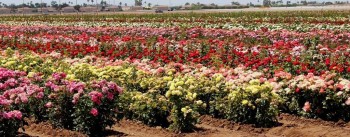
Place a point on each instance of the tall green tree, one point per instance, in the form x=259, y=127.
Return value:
x=267, y=3
x=138, y=2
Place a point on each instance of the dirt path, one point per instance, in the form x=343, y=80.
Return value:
x=290, y=126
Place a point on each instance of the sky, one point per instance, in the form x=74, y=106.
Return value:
x=159, y=2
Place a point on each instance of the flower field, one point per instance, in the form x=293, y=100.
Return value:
x=85, y=73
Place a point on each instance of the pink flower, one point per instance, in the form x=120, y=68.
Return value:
x=48, y=104
x=340, y=86
x=40, y=95
x=110, y=96
x=59, y=76
x=12, y=114
x=339, y=93
x=30, y=92
x=331, y=82
x=76, y=97
x=307, y=106
x=23, y=97
x=322, y=90
x=94, y=112
x=160, y=70
x=104, y=89
x=76, y=87
x=11, y=82
x=262, y=80
x=96, y=97
x=17, y=114
x=119, y=89
x=3, y=86
x=7, y=115
x=347, y=102
x=4, y=101
x=112, y=85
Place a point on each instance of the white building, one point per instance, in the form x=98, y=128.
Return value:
x=68, y=10
x=89, y=9
x=26, y=10
x=161, y=7
x=112, y=8
x=46, y=10
x=126, y=8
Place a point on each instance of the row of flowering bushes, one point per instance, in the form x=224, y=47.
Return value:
x=295, y=52
x=215, y=20
x=91, y=106
x=172, y=95
x=86, y=107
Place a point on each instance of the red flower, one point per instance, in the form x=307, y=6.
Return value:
x=327, y=61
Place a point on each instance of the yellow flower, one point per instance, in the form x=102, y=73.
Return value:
x=176, y=92
x=253, y=89
x=172, y=86
x=184, y=110
x=254, y=82
x=194, y=95
x=31, y=74
x=170, y=73
x=25, y=68
x=218, y=78
x=245, y=102
x=180, y=83
x=71, y=77
x=167, y=78
x=199, y=102
x=164, y=108
x=127, y=71
x=9, y=63
x=167, y=94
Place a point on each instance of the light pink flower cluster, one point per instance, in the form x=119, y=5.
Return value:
x=76, y=87
x=108, y=88
x=17, y=88
x=12, y=114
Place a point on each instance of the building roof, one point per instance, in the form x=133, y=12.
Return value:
x=4, y=9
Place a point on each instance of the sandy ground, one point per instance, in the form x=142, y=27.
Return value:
x=290, y=126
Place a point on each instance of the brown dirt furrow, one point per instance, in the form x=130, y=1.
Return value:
x=46, y=130
x=290, y=126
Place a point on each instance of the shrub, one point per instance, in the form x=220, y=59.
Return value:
x=97, y=109
x=254, y=103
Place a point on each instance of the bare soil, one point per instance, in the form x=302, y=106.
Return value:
x=290, y=126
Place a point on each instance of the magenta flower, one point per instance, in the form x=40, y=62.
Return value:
x=4, y=101
x=12, y=114
x=11, y=82
x=76, y=87
x=48, y=104
x=94, y=112
x=17, y=114
x=23, y=97
x=7, y=115
x=110, y=96
x=105, y=89
x=119, y=89
x=59, y=76
x=40, y=95
x=76, y=97
x=96, y=97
